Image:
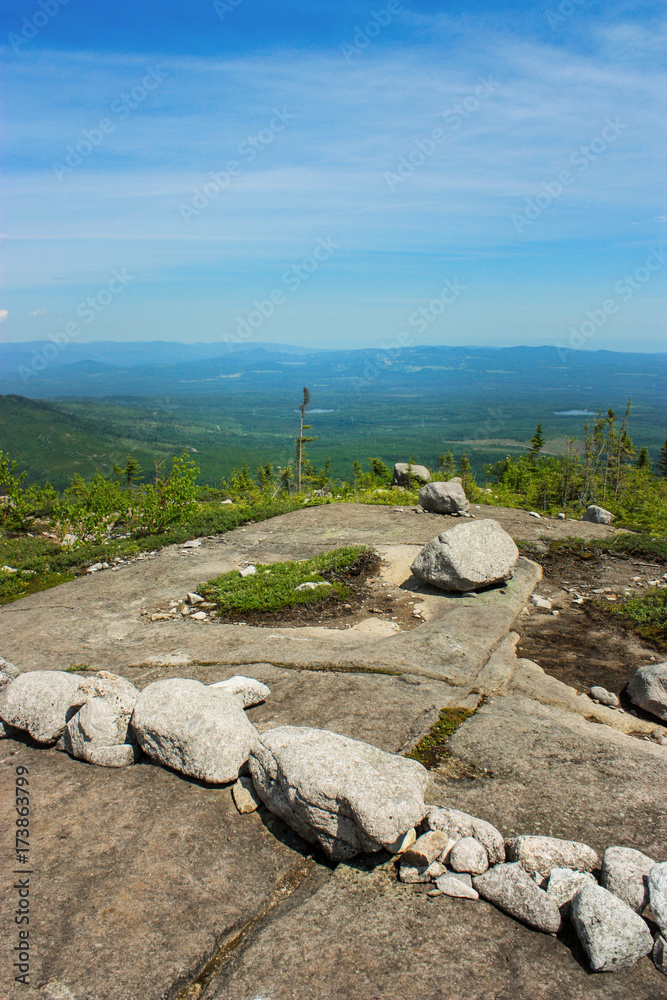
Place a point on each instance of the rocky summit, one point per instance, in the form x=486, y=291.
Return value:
x=397, y=806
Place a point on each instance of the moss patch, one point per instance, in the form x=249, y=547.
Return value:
x=432, y=749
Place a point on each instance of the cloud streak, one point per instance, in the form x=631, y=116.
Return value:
x=353, y=122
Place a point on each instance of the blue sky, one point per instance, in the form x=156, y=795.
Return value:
x=206, y=152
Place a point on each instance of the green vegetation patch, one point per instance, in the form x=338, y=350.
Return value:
x=648, y=546
x=41, y=563
x=273, y=587
x=646, y=615
x=651, y=546
x=432, y=749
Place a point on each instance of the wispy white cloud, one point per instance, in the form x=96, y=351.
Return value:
x=325, y=173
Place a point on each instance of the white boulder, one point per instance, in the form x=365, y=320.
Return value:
x=8, y=672
x=468, y=855
x=342, y=794
x=99, y=732
x=194, y=729
x=246, y=689
x=624, y=872
x=648, y=689
x=657, y=891
x=418, y=473
x=612, y=935
x=443, y=498
x=41, y=702
x=563, y=885
x=542, y=854
x=457, y=824
x=597, y=515
x=467, y=557
x=451, y=885
x=605, y=697
x=511, y=889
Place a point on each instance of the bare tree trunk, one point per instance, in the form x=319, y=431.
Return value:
x=299, y=446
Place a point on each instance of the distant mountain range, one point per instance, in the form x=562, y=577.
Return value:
x=91, y=404
x=39, y=369
x=126, y=354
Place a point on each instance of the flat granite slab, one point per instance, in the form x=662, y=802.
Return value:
x=525, y=767
x=137, y=876
x=148, y=886
x=96, y=620
x=364, y=936
x=390, y=712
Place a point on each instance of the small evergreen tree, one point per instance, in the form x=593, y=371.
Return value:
x=287, y=478
x=132, y=471
x=464, y=469
x=537, y=442
x=447, y=465
x=643, y=460
x=301, y=440
x=265, y=476
x=379, y=470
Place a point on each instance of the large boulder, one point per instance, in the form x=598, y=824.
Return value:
x=648, y=689
x=401, y=477
x=41, y=702
x=611, y=933
x=444, y=498
x=100, y=731
x=624, y=872
x=342, y=794
x=511, y=889
x=597, y=515
x=194, y=729
x=542, y=854
x=467, y=557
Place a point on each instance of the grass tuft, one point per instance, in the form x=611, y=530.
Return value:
x=273, y=587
